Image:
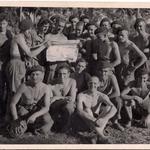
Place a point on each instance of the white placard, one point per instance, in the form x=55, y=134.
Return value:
x=62, y=51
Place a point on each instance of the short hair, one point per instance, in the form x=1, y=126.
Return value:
x=4, y=16
x=82, y=60
x=43, y=22
x=138, y=20
x=122, y=29
x=83, y=17
x=25, y=24
x=72, y=17
x=104, y=20
x=102, y=30
x=80, y=23
x=63, y=66
x=92, y=78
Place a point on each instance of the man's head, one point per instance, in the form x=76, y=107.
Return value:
x=36, y=74
x=116, y=25
x=81, y=65
x=74, y=20
x=91, y=29
x=123, y=35
x=60, y=25
x=63, y=72
x=85, y=19
x=25, y=26
x=105, y=22
x=143, y=76
x=140, y=25
x=79, y=28
x=104, y=69
x=4, y=20
x=93, y=83
x=44, y=25
x=102, y=33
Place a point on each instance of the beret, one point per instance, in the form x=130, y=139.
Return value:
x=35, y=68
x=102, y=30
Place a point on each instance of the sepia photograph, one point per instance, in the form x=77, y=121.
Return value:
x=74, y=75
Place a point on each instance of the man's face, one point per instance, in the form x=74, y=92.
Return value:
x=123, y=36
x=37, y=76
x=106, y=24
x=79, y=30
x=102, y=36
x=91, y=30
x=3, y=25
x=80, y=67
x=60, y=27
x=93, y=84
x=74, y=21
x=104, y=72
x=141, y=26
x=63, y=74
x=86, y=20
x=143, y=78
x=45, y=28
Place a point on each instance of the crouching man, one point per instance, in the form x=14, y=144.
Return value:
x=32, y=101
x=63, y=101
x=136, y=98
x=89, y=108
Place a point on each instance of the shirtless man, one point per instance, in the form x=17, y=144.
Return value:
x=63, y=101
x=32, y=101
x=81, y=76
x=142, y=39
x=19, y=51
x=131, y=57
x=110, y=87
x=104, y=49
x=136, y=97
x=89, y=108
x=87, y=46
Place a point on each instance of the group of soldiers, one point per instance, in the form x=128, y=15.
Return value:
x=111, y=73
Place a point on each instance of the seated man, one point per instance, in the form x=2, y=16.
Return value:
x=63, y=102
x=81, y=76
x=89, y=108
x=136, y=95
x=110, y=87
x=32, y=100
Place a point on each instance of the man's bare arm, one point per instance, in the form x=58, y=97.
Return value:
x=46, y=105
x=124, y=94
x=81, y=112
x=116, y=52
x=73, y=90
x=110, y=109
x=22, y=43
x=140, y=54
x=115, y=87
x=15, y=101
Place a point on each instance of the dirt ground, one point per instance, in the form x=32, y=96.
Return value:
x=132, y=135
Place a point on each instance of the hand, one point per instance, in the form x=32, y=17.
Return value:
x=100, y=122
x=68, y=98
x=138, y=99
x=47, y=44
x=83, y=50
x=31, y=119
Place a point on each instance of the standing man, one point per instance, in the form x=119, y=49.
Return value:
x=131, y=57
x=89, y=109
x=104, y=49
